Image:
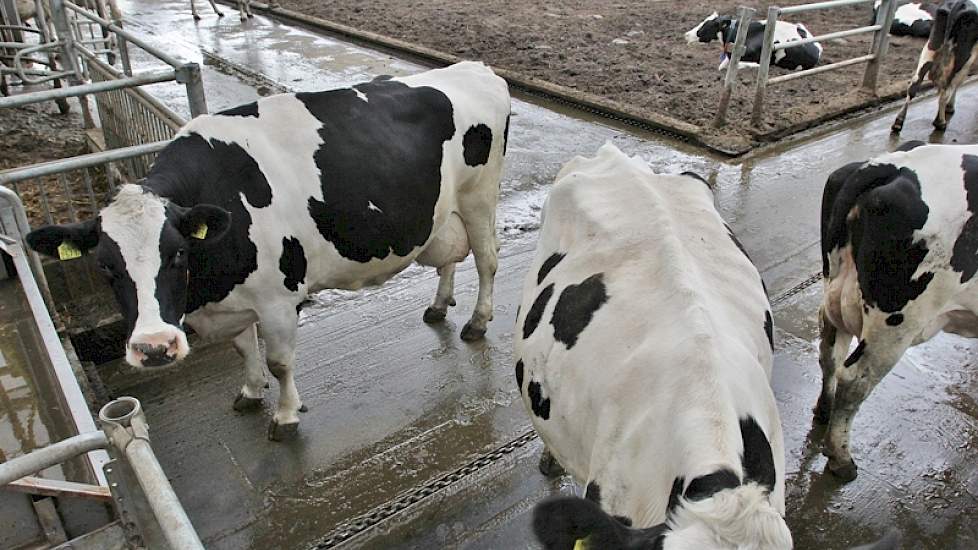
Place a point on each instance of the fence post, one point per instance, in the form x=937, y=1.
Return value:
x=189, y=75
x=744, y=17
x=881, y=43
x=762, y=72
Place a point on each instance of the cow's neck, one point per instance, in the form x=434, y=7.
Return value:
x=181, y=169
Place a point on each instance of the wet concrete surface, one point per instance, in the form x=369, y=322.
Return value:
x=395, y=403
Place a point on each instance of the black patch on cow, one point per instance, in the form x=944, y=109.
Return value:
x=910, y=145
x=758, y=458
x=382, y=77
x=249, y=109
x=916, y=83
x=292, y=263
x=540, y=406
x=675, y=493
x=965, y=256
x=548, y=265
x=476, y=145
x=801, y=32
x=560, y=522
x=506, y=134
x=895, y=320
x=769, y=328
x=191, y=171
x=593, y=493
x=123, y=287
x=710, y=484
x=387, y=152
x=576, y=307
x=856, y=354
x=694, y=175
x=737, y=242
x=877, y=208
x=536, y=311
x=519, y=374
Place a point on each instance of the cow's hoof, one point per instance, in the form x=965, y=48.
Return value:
x=471, y=334
x=433, y=315
x=845, y=471
x=243, y=403
x=303, y=409
x=940, y=126
x=282, y=432
x=220, y=14
x=196, y=17
x=549, y=466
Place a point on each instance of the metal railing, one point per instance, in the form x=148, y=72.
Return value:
x=874, y=59
x=144, y=499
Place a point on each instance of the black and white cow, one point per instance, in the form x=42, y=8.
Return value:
x=947, y=57
x=643, y=355
x=913, y=19
x=900, y=254
x=250, y=210
x=724, y=29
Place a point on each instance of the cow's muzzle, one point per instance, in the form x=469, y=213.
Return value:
x=157, y=350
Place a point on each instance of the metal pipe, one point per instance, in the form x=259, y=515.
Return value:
x=81, y=161
x=822, y=69
x=822, y=5
x=169, y=60
x=763, y=70
x=830, y=36
x=53, y=454
x=881, y=44
x=744, y=16
x=93, y=88
x=124, y=423
x=189, y=74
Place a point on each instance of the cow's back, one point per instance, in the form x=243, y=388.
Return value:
x=642, y=329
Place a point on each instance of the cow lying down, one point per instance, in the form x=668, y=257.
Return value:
x=900, y=254
x=724, y=29
x=250, y=210
x=643, y=355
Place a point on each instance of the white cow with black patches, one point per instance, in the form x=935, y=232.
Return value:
x=724, y=28
x=643, y=354
x=900, y=254
x=250, y=210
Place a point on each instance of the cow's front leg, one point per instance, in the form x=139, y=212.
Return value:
x=251, y=394
x=444, y=298
x=940, y=122
x=831, y=353
x=549, y=465
x=861, y=372
x=279, y=334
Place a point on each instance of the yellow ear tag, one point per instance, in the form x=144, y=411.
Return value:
x=200, y=233
x=68, y=251
x=580, y=544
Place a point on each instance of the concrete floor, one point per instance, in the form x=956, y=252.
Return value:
x=395, y=403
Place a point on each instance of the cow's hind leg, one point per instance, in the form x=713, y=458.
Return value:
x=478, y=209
x=251, y=394
x=924, y=65
x=549, y=466
x=831, y=352
x=875, y=355
x=279, y=333
x=216, y=10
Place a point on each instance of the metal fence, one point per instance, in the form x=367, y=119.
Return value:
x=873, y=60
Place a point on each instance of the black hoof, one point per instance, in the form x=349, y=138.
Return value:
x=471, y=334
x=940, y=126
x=432, y=315
x=196, y=17
x=549, y=466
x=243, y=403
x=897, y=126
x=266, y=385
x=303, y=409
x=844, y=471
x=282, y=432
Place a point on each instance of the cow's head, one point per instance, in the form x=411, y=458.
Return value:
x=712, y=28
x=142, y=242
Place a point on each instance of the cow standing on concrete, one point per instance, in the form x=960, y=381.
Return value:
x=643, y=354
x=724, y=29
x=250, y=210
x=244, y=9
x=900, y=254
x=948, y=56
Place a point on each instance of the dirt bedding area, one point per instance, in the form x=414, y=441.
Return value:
x=631, y=51
x=39, y=133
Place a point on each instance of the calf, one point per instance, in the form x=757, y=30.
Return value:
x=913, y=19
x=250, y=210
x=643, y=355
x=899, y=253
x=724, y=29
x=947, y=57
x=244, y=9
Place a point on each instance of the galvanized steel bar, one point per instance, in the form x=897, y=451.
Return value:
x=822, y=69
x=881, y=44
x=744, y=16
x=829, y=36
x=81, y=161
x=67, y=191
x=96, y=87
x=822, y=5
x=765, y=67
x=189, y=74
x=162, y=56
x=52, y=455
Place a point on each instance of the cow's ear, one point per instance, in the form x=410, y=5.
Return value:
x=65, y=241
x=204, y=223
x=572, y=523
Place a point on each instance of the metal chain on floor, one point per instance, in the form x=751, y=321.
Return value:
x=798, y=288
x=359, y=524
